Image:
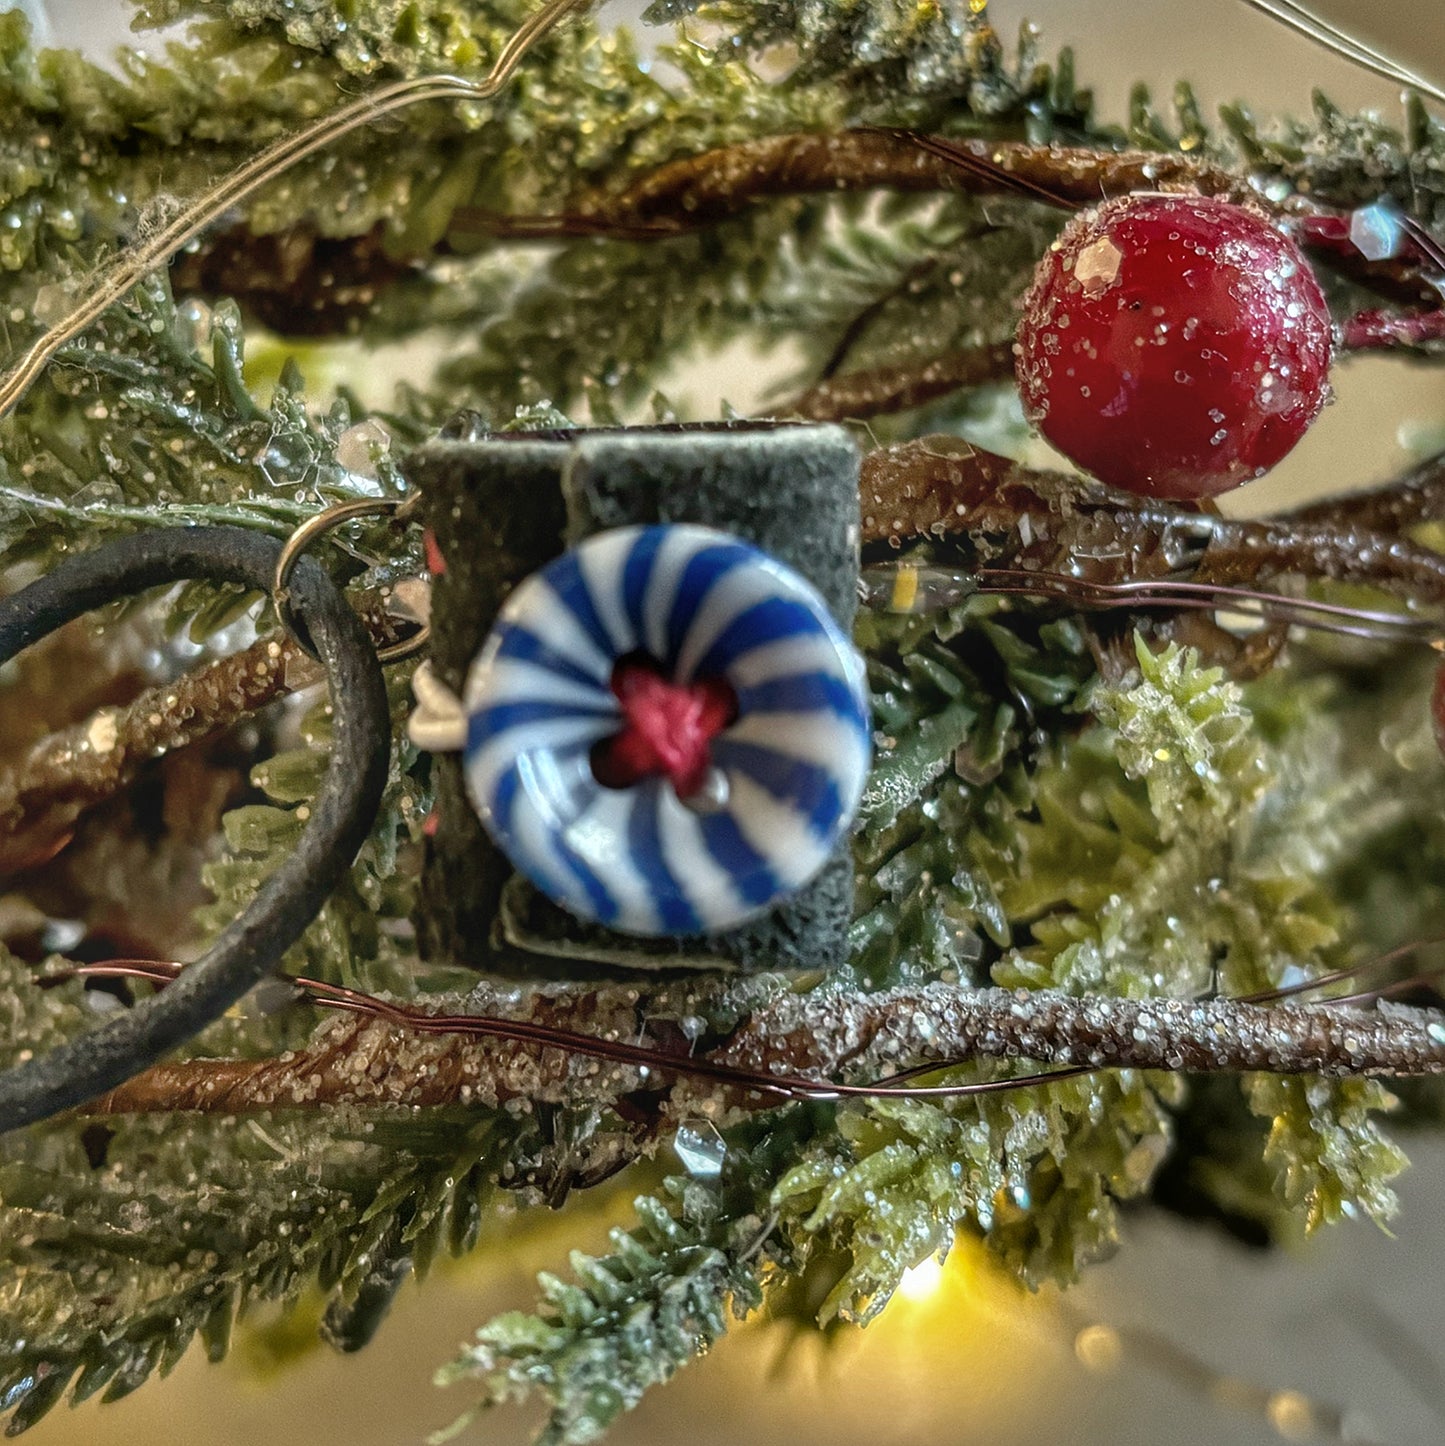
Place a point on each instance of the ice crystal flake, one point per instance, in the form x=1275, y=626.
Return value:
x=700, y=1148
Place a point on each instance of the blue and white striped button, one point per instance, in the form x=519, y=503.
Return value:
x=699, y=604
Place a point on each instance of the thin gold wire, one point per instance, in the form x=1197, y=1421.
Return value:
x=145, y=256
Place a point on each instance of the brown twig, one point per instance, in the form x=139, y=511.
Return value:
x=1418, y=496
x=365, y=1061
x=1262, y=549
x=940, y=486
x=1074, y=176
x=704, y=189
x=854, y=396
x=714, y=185
x=813, y=1036
x=903, y=1028
x=293, y=280
x=75, y=768
x=943, y=488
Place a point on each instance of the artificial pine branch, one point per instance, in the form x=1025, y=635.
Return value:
x=122, y=1281
x=700, y=1254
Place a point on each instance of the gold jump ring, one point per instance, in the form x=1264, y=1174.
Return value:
x=317, y=527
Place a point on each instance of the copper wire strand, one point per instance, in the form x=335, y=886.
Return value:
x=792, y=1088
x=1354, y=971
x=1429, y=978
x=958, y=153
x=1320, y=616
x=1163, y=592
x=1209, y=597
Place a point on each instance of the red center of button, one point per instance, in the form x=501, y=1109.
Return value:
x=667, y=727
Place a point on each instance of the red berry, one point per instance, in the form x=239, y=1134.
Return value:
x=1174, y=346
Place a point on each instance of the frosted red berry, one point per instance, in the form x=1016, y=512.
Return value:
x=1174, y=346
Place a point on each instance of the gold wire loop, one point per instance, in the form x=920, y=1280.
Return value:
x=314, y=528
x=117, y=277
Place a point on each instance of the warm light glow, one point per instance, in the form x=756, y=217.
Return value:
x=1291, y=1415
x=923, y=1280
x=1098, y=1348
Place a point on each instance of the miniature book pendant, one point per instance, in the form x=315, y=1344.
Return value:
x=650, y=744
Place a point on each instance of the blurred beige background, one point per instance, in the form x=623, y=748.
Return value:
x=1183, y=1338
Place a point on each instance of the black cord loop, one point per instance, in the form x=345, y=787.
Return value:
x=342, y=812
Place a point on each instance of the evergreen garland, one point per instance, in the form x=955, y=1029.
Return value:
x=1029, y=822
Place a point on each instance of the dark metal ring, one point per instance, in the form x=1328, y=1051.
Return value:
x=342, y=812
